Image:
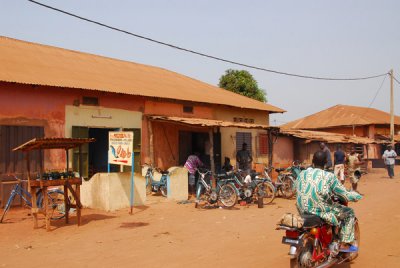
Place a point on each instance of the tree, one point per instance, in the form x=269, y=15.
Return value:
x=243, y=83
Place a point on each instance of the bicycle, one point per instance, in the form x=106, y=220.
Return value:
x=55, y=197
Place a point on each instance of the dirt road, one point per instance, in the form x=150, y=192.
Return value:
x=167, y=234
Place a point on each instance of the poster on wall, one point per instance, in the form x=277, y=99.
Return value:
x=120, y=148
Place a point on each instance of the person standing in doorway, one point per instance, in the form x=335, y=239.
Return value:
x=327, y=152
x=244, y=158
x=192, y=163
x=353, y=163
x=389, y=156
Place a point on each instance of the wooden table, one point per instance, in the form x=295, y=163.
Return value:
x=67, y=187
x=43, y=184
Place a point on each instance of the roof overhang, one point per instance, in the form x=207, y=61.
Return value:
x=52, y=143
x=328, y=137
x=207, y=122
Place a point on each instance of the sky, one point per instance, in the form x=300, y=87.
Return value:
x=338, y=39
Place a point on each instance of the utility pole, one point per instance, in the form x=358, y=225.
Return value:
x=391, y=108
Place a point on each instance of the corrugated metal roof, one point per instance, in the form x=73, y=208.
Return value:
x=342, y=115
x=52, y=143
x=207, y=122
x=327, y=137
x=31, y=63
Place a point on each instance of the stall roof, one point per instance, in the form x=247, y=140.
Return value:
x=36, y=64
x=207, y=122
x=52, y=143
x=327, y=136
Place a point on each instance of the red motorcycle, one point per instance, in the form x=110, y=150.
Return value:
x=313, y=242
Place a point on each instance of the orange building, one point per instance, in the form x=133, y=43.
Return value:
x=352, y=121
x=54, y=92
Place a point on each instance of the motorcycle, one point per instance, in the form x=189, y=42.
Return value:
x=153, y=185
x=251, y=187
x=313, y=242
x=224, y=192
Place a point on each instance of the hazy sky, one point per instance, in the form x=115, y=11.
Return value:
x=320, y=38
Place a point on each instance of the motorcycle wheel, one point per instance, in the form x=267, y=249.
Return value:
x=227, y=196
x=163, y=190
x=268, y=191
x=288, y=190
x=294, y=263
x=356, y=242
x=304, y=256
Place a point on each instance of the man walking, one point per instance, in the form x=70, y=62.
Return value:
x=389, y=156
x=339, y=158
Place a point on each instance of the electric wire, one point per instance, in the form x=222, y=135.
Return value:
x=372, y=101
x=395, y=79
x=203, y=54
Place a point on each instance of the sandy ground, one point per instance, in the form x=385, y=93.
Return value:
x=167, y=234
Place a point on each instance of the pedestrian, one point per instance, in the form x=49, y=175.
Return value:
x=244, y=158
x=339, y=158
x=389, y=156
x=353, y=163
x=192, y=164
x=327, y=152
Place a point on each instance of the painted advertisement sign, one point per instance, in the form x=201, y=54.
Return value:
x=120, y=148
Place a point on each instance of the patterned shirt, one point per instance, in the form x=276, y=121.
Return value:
x=314, y=194
x=192, y=163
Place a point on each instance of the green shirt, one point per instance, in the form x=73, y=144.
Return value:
x=314, y=194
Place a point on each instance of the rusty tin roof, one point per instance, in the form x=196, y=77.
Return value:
x=328, y=137
x=207, y=122
x=342, y=115
x=52, y=143
x=36, y=64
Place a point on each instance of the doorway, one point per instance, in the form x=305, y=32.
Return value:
x=191, y=142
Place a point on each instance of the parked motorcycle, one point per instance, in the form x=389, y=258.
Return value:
x=224, y=192
x=313, y=242
x=250, y=187
x=154, y=185
x=284, y=184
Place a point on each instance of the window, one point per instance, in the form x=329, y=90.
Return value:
x=243, y=137
x=188, y=109
x=263, y=144
x=90, y=101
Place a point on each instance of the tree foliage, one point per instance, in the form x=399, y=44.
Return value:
x=242, y=82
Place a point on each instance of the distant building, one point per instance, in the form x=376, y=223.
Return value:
x=352, y=121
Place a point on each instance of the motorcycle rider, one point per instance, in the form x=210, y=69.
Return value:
x=315, y=188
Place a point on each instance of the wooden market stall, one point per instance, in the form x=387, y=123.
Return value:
x=42, y=182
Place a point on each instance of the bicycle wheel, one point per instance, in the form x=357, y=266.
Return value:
x=227, y=196
x=267, y=190
x=56, y=204
x=8, y=205
x=288, y=190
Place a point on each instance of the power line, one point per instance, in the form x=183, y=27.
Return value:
x=398, y=82
x=377, y=92
x=372, y=101
x=203, y=54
